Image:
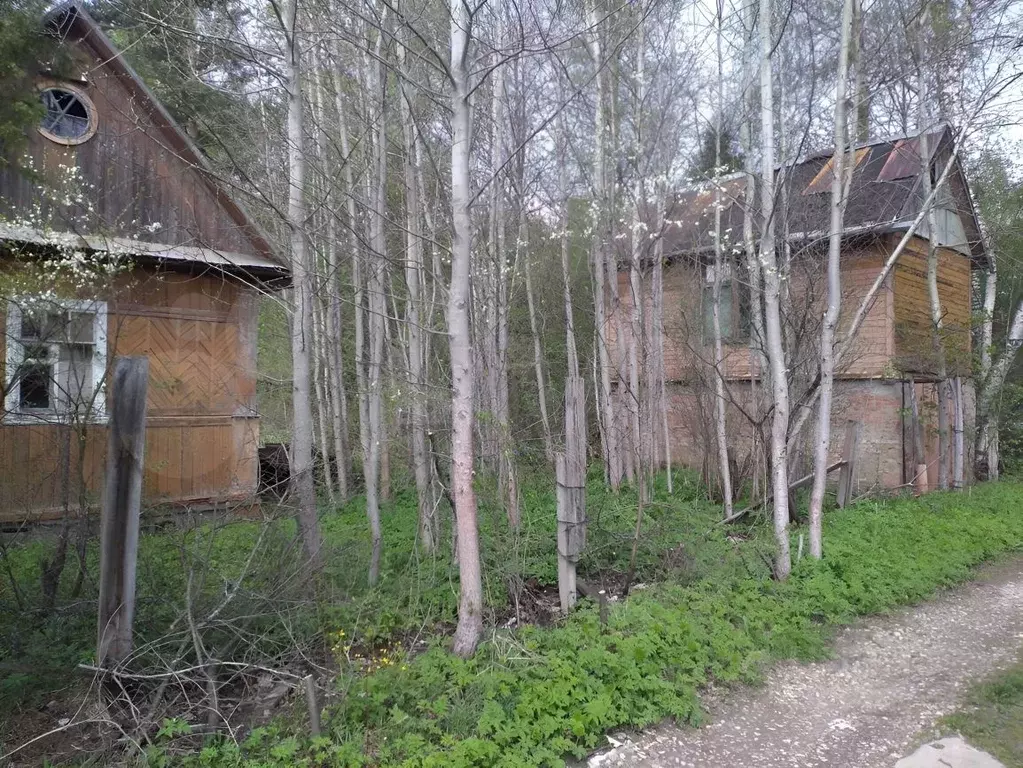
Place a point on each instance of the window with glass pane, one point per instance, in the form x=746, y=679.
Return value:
x=56, y=354
x=734, y=310
x=67, y=115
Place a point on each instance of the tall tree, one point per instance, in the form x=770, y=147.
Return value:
x=470, y=604
x=720, y=403
x=841, y=174
x=302, y=292
x=775, y=343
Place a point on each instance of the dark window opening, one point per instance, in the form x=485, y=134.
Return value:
x=36, y=378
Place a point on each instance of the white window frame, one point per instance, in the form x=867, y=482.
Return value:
x=15, y=356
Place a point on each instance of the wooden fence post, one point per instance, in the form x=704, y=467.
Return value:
x=122, y=502
x=847, y=474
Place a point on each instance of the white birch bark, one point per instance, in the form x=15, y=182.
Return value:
x=415, y=318
x=937, y=324
x=322, y=408
x=470, y=605
x=759, y=372
x=839, y=185
x=609, y=428
x=351, y=195
x=637, y=338
x=772, y=302
x=331, y=351
x=984, y=469
x=541, y=386
x=377, y=306
x=566, y=273
x=720, y=406
x=987, y=417
x=301, y=328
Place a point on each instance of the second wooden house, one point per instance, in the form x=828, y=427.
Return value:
x=891, y=369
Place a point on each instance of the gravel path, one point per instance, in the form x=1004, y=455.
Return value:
x=891, y=679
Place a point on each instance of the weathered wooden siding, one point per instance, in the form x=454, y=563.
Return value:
x=912, y=311
x=136, y=185
x=871, y=353
x=202, y=431
x=687, y=358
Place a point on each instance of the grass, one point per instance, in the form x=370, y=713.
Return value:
x=535, y=693
x=991, y=718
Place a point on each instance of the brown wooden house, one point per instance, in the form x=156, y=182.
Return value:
x=122, y=242
x=894, y=346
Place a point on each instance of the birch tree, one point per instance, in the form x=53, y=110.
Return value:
x=840, y=181
x=415, y=319
x=376, y=301
x=720, y=403
x=470, y=605
x=302, y=292
x=775, y=345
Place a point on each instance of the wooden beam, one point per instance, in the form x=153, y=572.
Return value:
x=122, y=502
x=792, y=487
x=847, y=475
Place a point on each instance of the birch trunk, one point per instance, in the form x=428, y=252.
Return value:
x=322, y=408
x=834, y=296
x=470, y=606
x=351, y=195
x=566, y=269
x=937, y=328
x=302, y=325
x=414, y=320
x=609, y=429
x=720, y=410
x=926, y=163
x=772, y=302
x=377, y=308
x=759, y=373
x=987, y=417
x=637, y=348
x=983, y=468
x=541, y=387
x=324, y=402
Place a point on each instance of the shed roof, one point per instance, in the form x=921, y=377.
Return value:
x=886, y=195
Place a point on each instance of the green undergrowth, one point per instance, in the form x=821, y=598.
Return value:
x=704, y=609
x=991, y=718
x=534, y=695
x=199, y=560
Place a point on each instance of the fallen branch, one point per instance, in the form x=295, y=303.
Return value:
x=92, y=669
x=792, y=487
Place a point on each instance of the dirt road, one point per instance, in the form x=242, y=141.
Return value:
x=891, y=679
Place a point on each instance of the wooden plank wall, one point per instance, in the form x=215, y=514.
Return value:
x=202, y=432
x=685, y=354
x=912, y=312
x=131, y=178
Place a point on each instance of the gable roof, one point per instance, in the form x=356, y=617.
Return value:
x=257, y=258
x=886, y=195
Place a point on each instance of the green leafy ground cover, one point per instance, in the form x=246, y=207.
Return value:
x=536, y=693
x=992, y=716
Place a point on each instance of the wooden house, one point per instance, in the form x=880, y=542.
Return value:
x=121, y=241
x=894, y=346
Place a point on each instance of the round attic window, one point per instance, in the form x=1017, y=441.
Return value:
x=70, y=117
